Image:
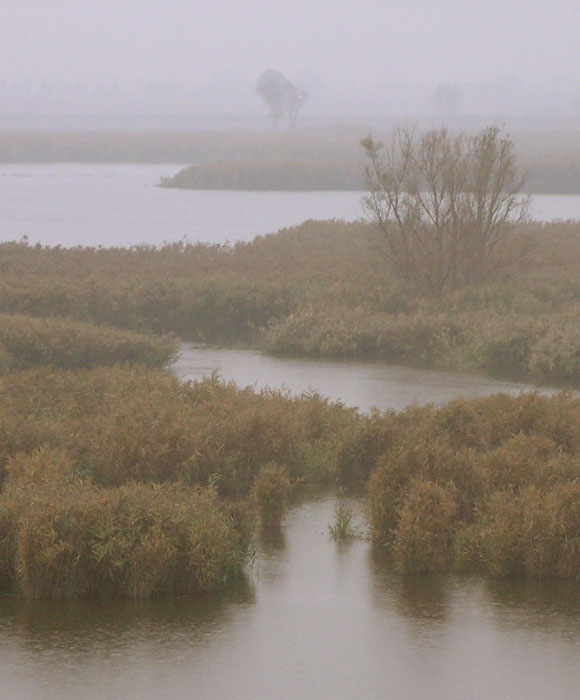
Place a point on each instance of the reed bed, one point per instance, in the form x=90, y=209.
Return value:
x=125, y=482
x=132, y=424
x=318, y=158
x=79, y=541
x=113, y=477
x=491, y=485
x=320, y=289
x=26, y=341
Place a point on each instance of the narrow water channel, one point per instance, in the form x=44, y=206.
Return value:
x=361, y=384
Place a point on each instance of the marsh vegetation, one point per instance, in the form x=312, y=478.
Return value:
x=120, y=481
x=321, y=289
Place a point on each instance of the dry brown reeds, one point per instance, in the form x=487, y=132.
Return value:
x=489, y=484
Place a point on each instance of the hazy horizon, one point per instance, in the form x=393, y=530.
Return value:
x=125, y=56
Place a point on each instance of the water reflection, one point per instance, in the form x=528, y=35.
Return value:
x=422, y=598
x=361, y=384
x=95, y=627
x=271, y=540
x=552, y=606
x=318, y=620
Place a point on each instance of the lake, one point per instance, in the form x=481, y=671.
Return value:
x=120, y=205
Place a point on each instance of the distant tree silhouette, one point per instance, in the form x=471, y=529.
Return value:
x=283, y=98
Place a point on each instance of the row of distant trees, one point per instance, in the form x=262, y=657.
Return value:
x=284, y=98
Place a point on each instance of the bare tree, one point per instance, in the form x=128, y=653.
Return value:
x=445, y=204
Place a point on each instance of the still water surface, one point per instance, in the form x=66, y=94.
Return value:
x=365, y=385
x=315, y=621
x=120, y=205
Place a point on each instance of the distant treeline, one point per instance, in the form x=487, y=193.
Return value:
x=549, y=175
x=303, y=159
x=297, y=175
x=175, y=146
x=321, y=289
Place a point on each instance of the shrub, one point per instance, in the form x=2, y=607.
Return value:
x=270, y=494
x=343, y=528
x=489, y=484
x=70, y=344
x=424, y=533
x=135, y=542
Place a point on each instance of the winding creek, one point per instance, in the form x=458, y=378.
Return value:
x=316, y=619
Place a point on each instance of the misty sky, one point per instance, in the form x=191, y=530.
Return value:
x=350, y=41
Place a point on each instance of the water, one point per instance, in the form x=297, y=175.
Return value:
x=120, y=205
x=362, y=384
x=316, y=621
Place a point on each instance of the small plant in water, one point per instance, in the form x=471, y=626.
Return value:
x=343, y=527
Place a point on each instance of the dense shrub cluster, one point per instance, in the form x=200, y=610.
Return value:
x=491, y=485
x=121, y=425
x=75, y=540
x=117, y=480
x=123, y=481
x=26, y=341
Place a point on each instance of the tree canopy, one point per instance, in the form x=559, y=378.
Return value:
x=283, y=98
x=445, y=204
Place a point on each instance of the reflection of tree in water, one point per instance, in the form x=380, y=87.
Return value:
x=549, y=605
x=105, y=627
x=421, y=597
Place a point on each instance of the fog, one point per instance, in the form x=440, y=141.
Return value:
x=353, y=56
